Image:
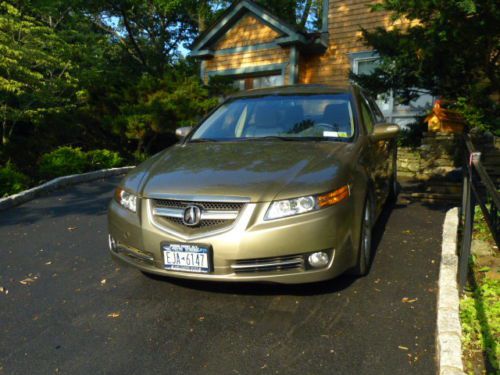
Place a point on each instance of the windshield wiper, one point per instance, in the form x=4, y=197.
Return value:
x=203, y=140
x=267, y=137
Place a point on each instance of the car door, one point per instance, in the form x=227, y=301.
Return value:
x=378, y=154
x=389, y=146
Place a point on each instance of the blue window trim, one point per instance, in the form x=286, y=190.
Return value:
x=271, y=68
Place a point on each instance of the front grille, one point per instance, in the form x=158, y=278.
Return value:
x=218, y=215
x=209, y=206
x=293, y=262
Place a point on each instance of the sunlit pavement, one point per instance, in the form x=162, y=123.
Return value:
x=65, y=307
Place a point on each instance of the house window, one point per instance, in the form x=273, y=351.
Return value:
x=364, y=66
x=258, y=82
x=364, y=62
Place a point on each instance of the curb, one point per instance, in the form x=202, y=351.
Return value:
x=449, y=331
x=27, y=195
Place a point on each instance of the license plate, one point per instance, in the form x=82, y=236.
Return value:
x=186, y=257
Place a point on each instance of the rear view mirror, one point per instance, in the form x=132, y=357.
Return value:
x=384, y=131
x=183, y=132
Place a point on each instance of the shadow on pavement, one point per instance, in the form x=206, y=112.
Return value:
x=71, y=201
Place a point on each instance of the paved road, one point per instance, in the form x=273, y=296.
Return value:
x=59, y=316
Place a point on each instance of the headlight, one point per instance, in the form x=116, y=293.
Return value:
x=126, y=199
x=290, y=207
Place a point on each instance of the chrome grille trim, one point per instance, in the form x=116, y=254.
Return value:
x=205, y=215
x=268, y=264
x=195, y=233
x=200, y=198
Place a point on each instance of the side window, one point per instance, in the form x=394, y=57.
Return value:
x=367, y=115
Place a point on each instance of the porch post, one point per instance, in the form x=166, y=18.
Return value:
x=294, y=65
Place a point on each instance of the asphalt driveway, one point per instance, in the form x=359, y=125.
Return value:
x=66, y=308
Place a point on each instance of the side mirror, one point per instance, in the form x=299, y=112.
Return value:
x=183, y=132
x=384, y=131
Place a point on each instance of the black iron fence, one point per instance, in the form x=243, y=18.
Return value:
x=478, y=189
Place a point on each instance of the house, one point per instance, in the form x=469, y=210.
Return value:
x=258, y=49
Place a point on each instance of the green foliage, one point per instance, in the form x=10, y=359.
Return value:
x=476, y=117
x=103, y=159
x=68, y=160
x=411, y=135
x=480, y=318
x=63, y=161
x=450, y=49
x=35, y=71
x=11, y=180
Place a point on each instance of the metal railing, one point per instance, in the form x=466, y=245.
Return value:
x=478, y=189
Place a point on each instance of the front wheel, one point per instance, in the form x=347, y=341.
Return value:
x=365, y=243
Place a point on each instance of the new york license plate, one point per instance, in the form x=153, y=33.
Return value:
x=186, y=257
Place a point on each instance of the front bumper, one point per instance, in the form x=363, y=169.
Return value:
x=137, y=241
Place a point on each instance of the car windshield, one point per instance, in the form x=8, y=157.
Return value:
x=285, y=117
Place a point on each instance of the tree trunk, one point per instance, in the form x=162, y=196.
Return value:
x=305, y=15
x=5, y=130
x=203, y=11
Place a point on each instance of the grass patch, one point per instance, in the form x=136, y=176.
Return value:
x=480, y=317
x=480, y=308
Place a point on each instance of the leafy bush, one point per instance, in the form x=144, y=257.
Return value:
x=63, y=161
x=11, y=180
x=72, y=160
x=479, y=315
x=102, y=159
x=411, y=135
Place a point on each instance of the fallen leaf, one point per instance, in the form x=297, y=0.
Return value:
x=201, y=318
x=114, y=315
x=48, y=263
x=402, y=347
x=408, y=300
x=71, y=229
x=103, y=281
x=407, y=231
x=27, y=281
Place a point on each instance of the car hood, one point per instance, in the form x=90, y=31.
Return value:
x=258, y=170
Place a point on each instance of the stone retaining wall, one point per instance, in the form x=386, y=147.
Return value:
x=437, y=157
x=433, y=172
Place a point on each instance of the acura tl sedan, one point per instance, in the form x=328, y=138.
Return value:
x=275, y=185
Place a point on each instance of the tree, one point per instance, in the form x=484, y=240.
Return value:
x=35, y=72
x=449, y=47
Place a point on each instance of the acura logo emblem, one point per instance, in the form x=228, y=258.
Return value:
x=192, y=216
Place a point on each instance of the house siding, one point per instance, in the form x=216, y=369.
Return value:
x=344, y=24
x=247, y=31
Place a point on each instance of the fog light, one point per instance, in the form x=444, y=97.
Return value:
x=319, y=259
x=112, y=243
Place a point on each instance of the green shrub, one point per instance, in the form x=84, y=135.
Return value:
x=103, y=159
x=63, y=161
x=11, y=180
x=67, y=160
x=411, y=135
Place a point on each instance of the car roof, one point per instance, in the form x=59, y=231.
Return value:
x=293, y=89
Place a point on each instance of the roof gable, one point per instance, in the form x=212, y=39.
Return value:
x=248, y=30
x=234, y=14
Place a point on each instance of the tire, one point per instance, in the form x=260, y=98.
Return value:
x=365, y=241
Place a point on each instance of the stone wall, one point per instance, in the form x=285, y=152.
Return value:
x=437, y=157
x=433, y=172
